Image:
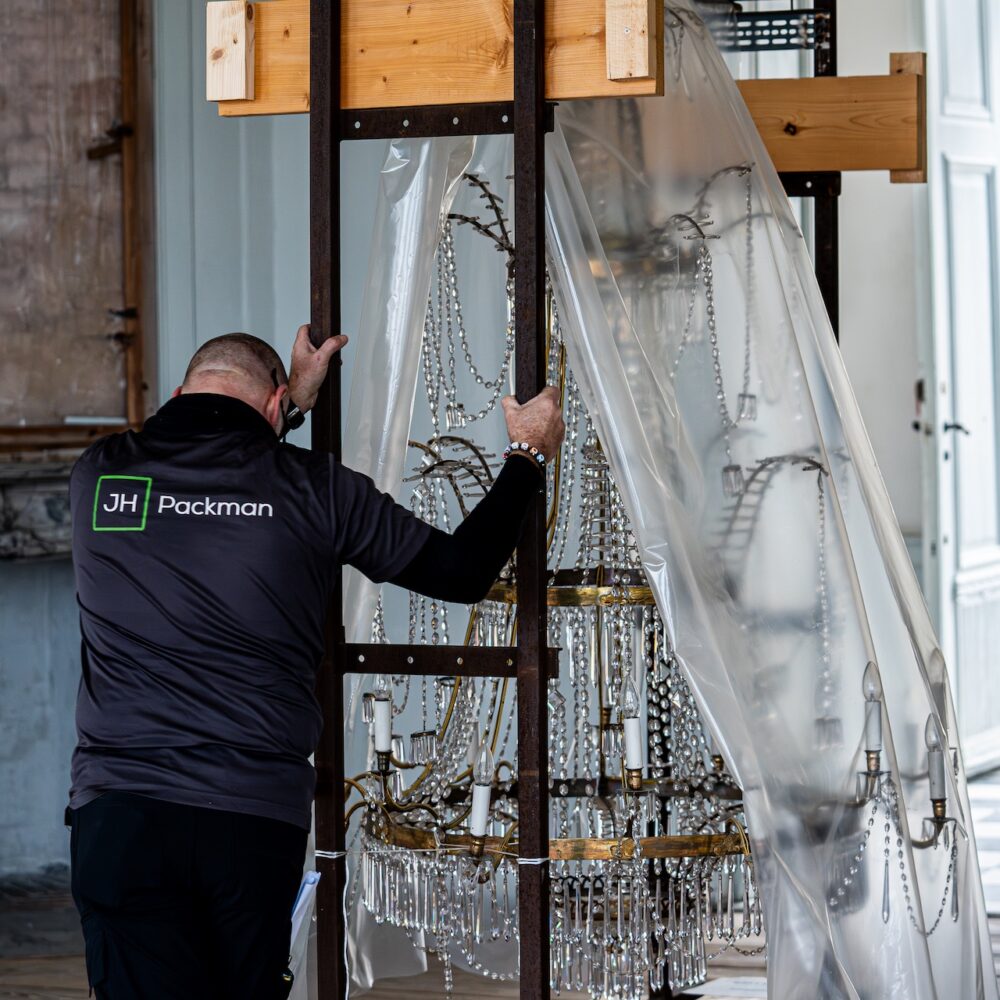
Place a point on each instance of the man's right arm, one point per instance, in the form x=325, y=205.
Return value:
x=462, y=566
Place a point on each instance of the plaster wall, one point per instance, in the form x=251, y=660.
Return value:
x=39, y=674
x=885, y=269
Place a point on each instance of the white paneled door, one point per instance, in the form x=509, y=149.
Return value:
x=963, y=531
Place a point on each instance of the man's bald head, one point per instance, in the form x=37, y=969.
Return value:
x=237, y=357
x=241, y=366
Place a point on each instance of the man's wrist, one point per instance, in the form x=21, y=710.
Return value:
x=528, y=451
x=297, y=396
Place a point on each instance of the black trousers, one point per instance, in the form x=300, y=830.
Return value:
x=182, y=903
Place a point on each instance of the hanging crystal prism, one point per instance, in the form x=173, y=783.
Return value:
x=368, y=707
x=732, y=480
x=454, y=416
x=885, y=893
x=746, y=406
x=396, y=784
x=423, y=746
x=611, y=740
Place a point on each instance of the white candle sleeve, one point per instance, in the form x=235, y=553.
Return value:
x=873, y=725
x=383, y=725
x=935, y=769
x=480, y=810
x=633, y=744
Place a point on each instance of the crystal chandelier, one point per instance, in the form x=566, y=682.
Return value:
x=649, y=858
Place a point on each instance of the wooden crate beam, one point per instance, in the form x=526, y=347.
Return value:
x=400, y=53
x=407, y=53
x=229, y=50
x=841, y=123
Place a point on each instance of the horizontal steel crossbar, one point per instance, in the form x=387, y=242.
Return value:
x=435, y=661
x=429, y=120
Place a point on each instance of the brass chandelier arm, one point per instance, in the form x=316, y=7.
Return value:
x=474, y=448
x=550, y=523
x=350, y=812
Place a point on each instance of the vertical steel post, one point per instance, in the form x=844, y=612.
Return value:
x=324, y=262
x=826, y=217
x=532, y=640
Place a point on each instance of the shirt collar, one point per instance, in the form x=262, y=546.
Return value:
x=196, y=413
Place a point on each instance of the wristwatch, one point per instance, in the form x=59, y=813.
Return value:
x=294, y=419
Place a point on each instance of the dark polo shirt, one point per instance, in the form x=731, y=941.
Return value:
x=205, y=552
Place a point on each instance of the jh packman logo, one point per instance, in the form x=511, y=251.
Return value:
x=121, y=503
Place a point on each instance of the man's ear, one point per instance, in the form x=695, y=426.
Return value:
x=177, y=392
x=272, y=408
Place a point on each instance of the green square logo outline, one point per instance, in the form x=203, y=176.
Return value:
x=148, y=480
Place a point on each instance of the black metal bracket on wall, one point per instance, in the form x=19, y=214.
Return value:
x=531, y=662
x=815, y=29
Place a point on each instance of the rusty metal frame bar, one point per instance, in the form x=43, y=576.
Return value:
x=532, y=628
x=529, y=117
x=826, y=218
x=437, y=661
x=324, y=261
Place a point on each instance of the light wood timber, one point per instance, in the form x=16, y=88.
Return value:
x=914, y=63
x=839, y=123
x=631, y=38
x=229, y=50
x=401, y=53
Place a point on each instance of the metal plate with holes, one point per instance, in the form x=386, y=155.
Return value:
x=769, y=31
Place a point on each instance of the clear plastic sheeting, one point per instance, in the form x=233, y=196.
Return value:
x=698, y=336
x=698, y=339
x=417, y=184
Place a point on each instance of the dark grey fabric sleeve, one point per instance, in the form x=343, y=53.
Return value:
x=371, y=532
x=463, y=566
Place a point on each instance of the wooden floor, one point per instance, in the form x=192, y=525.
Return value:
x=51, y=978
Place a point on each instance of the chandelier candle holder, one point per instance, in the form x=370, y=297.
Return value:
x=632, y=732
x=482, y=788
x=382, y=723
x=872, y=688
x=878, y=793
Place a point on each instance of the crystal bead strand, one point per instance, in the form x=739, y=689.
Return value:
x=828, y=728
x=747, y=402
